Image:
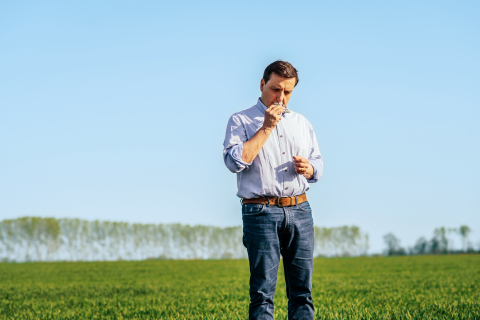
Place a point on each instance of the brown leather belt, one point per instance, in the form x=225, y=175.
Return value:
x=281, y=202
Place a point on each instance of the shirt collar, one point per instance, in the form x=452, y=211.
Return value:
x=261, y=106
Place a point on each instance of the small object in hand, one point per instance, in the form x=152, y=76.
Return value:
x=285, y=110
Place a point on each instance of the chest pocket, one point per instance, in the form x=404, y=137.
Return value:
x=300, y=146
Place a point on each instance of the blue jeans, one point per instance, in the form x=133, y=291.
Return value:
x=271, y=231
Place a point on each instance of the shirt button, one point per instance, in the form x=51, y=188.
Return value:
x=286, y=188
x=284, y=153
x=281, y=136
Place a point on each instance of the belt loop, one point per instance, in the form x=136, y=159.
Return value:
x=268, y=201
x=296, y=201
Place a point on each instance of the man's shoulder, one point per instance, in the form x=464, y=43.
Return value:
x=300, y=117
x=246, y=115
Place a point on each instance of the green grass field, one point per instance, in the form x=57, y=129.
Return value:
x=424, y=287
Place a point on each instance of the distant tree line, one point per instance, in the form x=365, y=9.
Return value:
x=440, y=243
x=50, y=239
x=340, y=241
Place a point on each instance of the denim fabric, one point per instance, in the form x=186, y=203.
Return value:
x=271, y=231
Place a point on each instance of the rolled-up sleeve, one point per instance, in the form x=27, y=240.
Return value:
x=315, y=158
x=235, y=136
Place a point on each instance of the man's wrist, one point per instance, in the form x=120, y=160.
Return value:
x=310, y=172
x=266, y=130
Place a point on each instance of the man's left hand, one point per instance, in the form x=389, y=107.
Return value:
x=302, y=166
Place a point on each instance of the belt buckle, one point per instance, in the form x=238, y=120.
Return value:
x=279, y=204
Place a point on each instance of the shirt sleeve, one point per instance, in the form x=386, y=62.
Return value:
x=315, y=158
x=235, y=136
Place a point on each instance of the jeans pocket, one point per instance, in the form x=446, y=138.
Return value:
x=304, y=206
x=252, y=209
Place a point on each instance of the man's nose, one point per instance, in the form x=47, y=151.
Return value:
x=280, y=96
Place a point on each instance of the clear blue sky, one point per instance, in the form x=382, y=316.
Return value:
x=117, y=110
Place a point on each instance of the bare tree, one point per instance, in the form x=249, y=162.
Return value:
x=393, y=245
x=421, y=246
x=464, y=231
x=439, y=242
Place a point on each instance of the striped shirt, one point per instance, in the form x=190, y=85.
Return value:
x=272, y=172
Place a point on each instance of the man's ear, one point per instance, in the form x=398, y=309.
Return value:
x=262, y=84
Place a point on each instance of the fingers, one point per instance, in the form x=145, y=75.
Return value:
x=300, y=159
x=272, y=116
x=275, y=110
x=301, y=164
x=278, y=110
x=301, y=170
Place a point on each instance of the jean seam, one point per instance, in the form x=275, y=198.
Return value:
x=292, y=220
x=287, y=280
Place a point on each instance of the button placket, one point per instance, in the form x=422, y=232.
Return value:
x=282, y=141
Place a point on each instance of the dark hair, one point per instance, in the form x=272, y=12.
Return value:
x=282, y=69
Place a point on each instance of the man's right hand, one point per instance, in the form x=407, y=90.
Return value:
x=252, y=147
x=272, y=116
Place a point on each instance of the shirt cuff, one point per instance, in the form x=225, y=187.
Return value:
x=317, y=170
x=235, y=153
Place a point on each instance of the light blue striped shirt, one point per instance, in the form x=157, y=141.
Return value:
x=272, y=172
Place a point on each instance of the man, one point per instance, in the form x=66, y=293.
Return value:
x=275, y=155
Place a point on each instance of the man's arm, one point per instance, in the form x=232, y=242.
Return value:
x=235, y=136
x=252, y=147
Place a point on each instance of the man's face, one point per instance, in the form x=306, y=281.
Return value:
x=277, y=89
